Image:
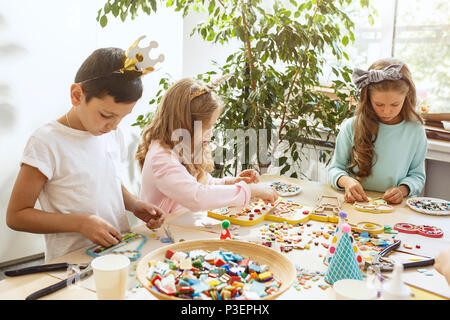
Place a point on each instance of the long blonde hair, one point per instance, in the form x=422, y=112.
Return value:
x=366, y=120
x=178, y=110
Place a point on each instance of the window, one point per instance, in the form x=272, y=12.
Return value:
x=415, y=31
x=422, y=40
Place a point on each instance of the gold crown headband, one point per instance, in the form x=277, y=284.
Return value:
x=137, y=59
x=209, y=87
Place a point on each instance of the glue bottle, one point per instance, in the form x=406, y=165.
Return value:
x=395, y=289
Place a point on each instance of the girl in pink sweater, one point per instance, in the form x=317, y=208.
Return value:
x=176, y=160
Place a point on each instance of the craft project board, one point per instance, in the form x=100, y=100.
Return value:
x=311, y=191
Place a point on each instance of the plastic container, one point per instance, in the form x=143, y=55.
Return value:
x=351, y=289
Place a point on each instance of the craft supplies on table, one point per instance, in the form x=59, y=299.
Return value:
x=286, y=189
x=282, y=210
x=305, y=279
x=327, y=209
x=370, y=227
x=170, y=238
x=308, y=283
x=376, y=205
x=213, y=267
x=424, y=230
x=130, y=246
x=430, y=206
x=290, y=237
x=382, y=263
x=225, y=234
x=77, y=271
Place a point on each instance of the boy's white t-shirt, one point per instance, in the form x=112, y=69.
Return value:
x=84, y=176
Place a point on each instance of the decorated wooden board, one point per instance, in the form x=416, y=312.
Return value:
x=327, y=209
x=129, y=246
x=246, y=216
x=282, y=210
x=376, y=205
x=286, y=189
x=209, y=255
x=432, y=206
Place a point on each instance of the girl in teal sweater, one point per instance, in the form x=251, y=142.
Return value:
x=383, y=147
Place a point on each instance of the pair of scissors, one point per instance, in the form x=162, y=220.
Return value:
x=80, y=271
x=384, y=264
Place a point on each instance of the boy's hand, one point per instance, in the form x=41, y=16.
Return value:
x=395, y=195
x=99, y=231
x=248, y=176
x=353, y=189
x=150, y=214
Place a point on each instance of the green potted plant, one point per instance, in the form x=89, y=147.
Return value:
x=275, y=84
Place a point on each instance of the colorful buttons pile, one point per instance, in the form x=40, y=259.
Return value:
x=304, y=277
x=430, y=205
x=255, y=210
x=289, y=236
x=366, y=241
x=216, y=275
x=285, y=188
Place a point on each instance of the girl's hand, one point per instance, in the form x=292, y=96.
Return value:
x=353, y=190
x=248, y=176
x=99, y=231
x=150, y=214
x=395, y=195
x=263, y=192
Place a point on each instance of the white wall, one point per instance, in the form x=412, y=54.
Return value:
x=42, y=45
x=198, y=53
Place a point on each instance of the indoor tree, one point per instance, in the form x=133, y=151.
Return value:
x=276, y=73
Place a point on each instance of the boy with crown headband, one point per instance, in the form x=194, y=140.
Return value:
x=72, y=164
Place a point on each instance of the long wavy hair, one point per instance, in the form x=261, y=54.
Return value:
x=178, y=110
x=366, y=120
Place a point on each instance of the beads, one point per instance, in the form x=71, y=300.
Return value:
x=216, y=275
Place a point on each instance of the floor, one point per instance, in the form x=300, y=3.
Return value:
x=19, y=266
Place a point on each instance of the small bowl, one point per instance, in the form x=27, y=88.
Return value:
x=446, y=125
x=351, y=289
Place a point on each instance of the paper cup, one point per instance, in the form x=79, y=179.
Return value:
x=351, y=289
x=111, y=275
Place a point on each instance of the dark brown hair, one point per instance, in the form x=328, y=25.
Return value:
x=97, y=78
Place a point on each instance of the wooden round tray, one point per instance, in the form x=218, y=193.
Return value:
x=279, y=265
